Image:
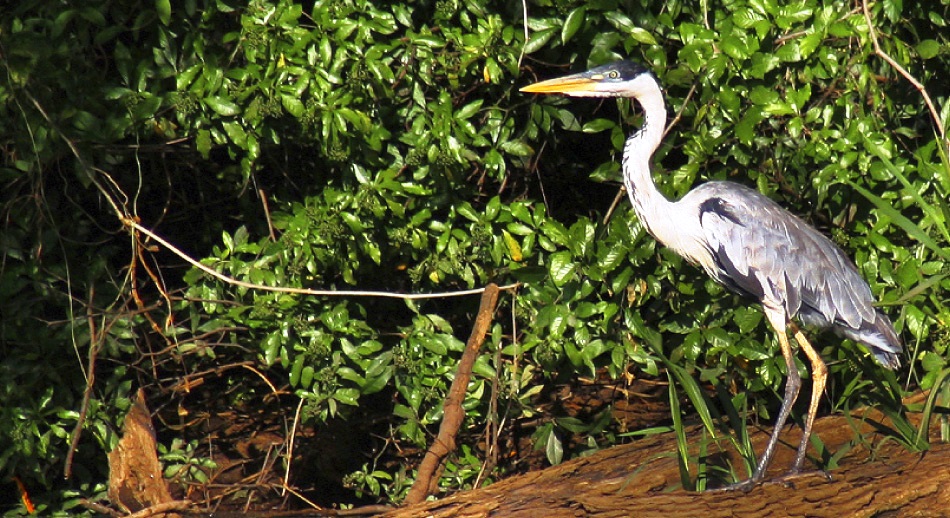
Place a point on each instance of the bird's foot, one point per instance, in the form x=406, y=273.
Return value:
x=745, y=486
x=789, y=478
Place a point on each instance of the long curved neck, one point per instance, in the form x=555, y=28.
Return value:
x=653, y=209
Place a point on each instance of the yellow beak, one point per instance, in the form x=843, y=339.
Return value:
x=561, y=85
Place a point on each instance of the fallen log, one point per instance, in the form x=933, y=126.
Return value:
x=642, y=479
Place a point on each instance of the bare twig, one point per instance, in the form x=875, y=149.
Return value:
x=162, y=508
x=138, y=257
x=524, y=21
x=184, y=383
x=99, y=508
x=301, y=497
x=94, y=341
x=270, y=222
x=679, y=113
x=453, y=414
x=537, y=172
x=132, y=224
x=290, y=445
x=120, y=211
x=368, y=510
x=262, y=376
x=911, y=79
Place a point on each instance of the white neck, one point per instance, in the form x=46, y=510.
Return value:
x=653, y=209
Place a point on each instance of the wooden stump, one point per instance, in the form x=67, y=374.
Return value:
x=135, y=475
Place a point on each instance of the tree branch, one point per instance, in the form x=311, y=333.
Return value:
x=134, y=225
x=917, y=84
x=453, y=413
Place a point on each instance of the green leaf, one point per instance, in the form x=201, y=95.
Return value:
x=517, y=148
x=575, y=19
x=556, y=232
x=679, y=429
x=598, y=125
x=271, y=348
x=810, y=42
x=203, y=143
x=737, y=46
x=373, y=251
x=347, y=396
x=932, y=362
x=620, y=21
x=562, y=267
x=745, y=129
x=908, y=226
x=222, y=106
x=643, y=36
x=469, y=109
x=185, y=78
x=554, y=449
x=468, y=212
x=293, y=105
x=164, y=10
x=295, y=371
x=928, y=49
x=695, y=395
x=892, y=9
x=573, y=424
x=538, y=40
x=306, y=377
x=236, y=133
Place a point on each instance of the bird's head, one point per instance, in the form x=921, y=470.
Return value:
x=619, y=79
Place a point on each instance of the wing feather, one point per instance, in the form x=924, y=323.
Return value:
x=756, y=248
x=760, y=249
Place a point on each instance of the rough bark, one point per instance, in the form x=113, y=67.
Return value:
x=135, y=475
x=444, y=444
x=642, y=479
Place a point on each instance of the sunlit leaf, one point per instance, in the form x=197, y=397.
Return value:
x=573, y=23
x=222, y=106
x=562, y=267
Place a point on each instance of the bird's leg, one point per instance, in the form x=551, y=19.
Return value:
x=819, y=375
x=793, y=384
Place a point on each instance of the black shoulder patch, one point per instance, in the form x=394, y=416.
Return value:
x=719, y=207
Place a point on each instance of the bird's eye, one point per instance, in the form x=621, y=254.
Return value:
x=613, y=74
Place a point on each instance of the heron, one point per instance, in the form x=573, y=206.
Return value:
x=748, y=243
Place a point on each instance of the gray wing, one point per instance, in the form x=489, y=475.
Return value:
x=762, y=250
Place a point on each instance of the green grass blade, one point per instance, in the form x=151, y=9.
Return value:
x=945, y=162
x=921, y=287
x=738, y=423
x=912, y=229
x=909, y=189
x=695, y=395
x=680, y=430
x=924, y=430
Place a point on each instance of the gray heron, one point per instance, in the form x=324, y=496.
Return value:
x=748, y=243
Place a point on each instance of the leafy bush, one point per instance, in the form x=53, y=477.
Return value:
x=353, y=145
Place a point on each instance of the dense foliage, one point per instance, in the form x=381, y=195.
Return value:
x=384, y=146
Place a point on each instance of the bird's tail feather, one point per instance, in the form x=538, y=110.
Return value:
x=881, y=338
